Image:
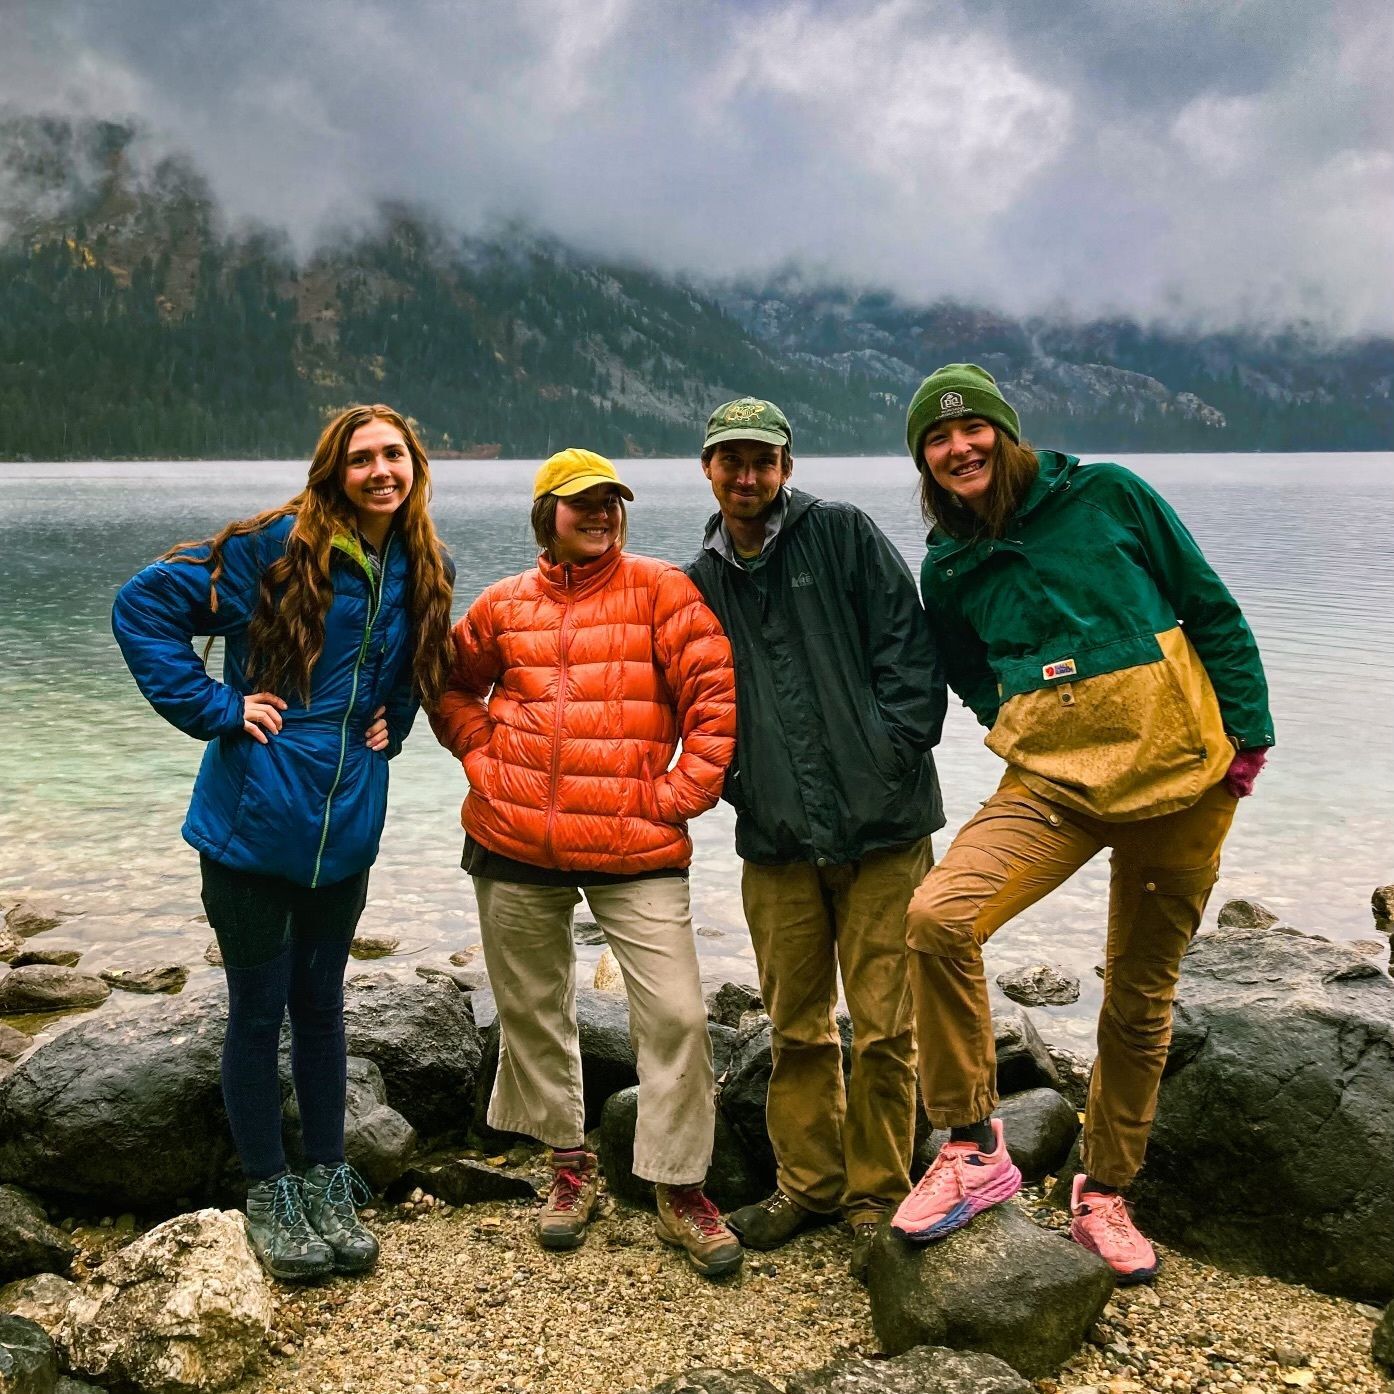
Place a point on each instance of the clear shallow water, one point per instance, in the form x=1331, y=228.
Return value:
x=95, y=785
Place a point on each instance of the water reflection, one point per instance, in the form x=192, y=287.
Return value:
x=96, y=785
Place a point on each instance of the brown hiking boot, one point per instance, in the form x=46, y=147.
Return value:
x=863, y=1234
x=774, y=1221
x=688, y=1220
x=571, y=1203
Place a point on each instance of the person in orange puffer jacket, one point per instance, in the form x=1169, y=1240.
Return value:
x=571, y=687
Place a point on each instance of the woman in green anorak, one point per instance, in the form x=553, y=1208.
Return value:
x=1080, y=622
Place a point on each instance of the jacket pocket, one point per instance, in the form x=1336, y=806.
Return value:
x=479, y=771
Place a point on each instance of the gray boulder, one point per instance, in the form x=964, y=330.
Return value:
x=142, y=1121
x=1245, y=914
x=1382, y=1346
x=46, y=987
x=169, y=978
x=42, y=1299
x=734, y=1179
x=1023, y=1062
x=423, y=1038
x=28, y=1361
x=459, y=1181
x=1279, y=1096
x=1040, y=985
x=28, y=1243
x=923, y=1370
x=378, y=1141
x=1002, y=1286
x=11, y=944
x=183, y=1308
x=1040, y=1126
x=714, y=1382
x=731, y=1001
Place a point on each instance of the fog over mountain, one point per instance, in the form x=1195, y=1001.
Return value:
x=1210, y=165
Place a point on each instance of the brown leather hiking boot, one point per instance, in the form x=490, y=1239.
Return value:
x=774, y=1221
x=571, y=1203
x=688, y=1220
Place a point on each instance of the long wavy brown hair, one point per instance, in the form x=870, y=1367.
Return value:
x=286, y=635
x=1014, y=469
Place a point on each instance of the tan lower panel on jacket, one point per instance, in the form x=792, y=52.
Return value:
x=1136, y=743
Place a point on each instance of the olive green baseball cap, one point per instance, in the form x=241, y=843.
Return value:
x=748, y=418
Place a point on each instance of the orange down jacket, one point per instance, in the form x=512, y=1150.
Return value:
x=570, y=688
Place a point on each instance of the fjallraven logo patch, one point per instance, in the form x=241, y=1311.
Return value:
x=1061, y=668
x=951, y=401
x=747, y=409
x=804, y=578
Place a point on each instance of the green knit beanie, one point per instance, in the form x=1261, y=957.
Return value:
x=957, y=389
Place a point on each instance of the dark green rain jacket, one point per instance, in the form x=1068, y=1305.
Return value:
x=839, y=694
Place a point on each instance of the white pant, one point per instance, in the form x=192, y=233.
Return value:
x=531, y=960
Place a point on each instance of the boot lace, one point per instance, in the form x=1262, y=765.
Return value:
x=288, y=1208
x=1112, y=1212
x=347, y=1187
x=691, y=1204
x=945, y=1178
x=567, y=1185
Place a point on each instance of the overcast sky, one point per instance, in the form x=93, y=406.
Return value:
x=1220, y=160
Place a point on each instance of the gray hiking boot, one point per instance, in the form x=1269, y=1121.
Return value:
x=332, y=1195
x=280, y=1231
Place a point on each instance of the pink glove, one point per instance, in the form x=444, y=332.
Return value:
x=1243, y=770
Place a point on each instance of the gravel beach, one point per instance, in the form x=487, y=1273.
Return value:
x=464, y=1300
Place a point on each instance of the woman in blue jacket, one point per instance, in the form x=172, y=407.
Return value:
x=335, y=612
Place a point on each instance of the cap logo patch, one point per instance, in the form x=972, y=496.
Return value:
x=951, y=401
x=748, y=409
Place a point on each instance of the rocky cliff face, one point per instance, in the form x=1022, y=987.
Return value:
x=134, y=322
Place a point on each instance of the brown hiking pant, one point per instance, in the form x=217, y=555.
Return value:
x=1016, y=849
x=839, y=1149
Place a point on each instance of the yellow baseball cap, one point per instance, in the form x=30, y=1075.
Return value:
x=569, y=471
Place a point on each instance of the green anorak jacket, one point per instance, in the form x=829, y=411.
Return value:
x=839, y=695
x=1115, y=671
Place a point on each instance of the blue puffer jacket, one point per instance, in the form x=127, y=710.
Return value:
x=309, y=804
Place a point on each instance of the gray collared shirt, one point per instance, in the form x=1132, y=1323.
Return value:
x=718, y=538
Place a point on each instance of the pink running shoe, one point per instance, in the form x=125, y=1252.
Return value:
x=962, y=1183
x=1102, y=1224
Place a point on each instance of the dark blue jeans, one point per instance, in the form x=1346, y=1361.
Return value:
x=284, y=948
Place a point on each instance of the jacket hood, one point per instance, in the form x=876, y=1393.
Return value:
x=1055, y=473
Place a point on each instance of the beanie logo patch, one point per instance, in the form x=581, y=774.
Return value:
x=951, y=401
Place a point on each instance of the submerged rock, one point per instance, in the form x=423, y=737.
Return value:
x=62, y=958
x=45, y=987
x=373, y=945
x=185, y=1307
x=1279, y=1096
x=170, y=978
x=1002, y=1286
x=1042, y=984
x=31, y=917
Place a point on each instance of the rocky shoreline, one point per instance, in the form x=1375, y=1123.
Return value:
x=1273, y=1155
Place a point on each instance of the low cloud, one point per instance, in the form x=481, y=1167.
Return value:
x=1221, y=161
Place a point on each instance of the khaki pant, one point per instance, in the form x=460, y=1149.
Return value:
x=838, y=1149
x=531, y=960
x=1015, y=850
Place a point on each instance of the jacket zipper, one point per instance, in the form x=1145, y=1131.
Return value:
x=375, y=585
x=554, y=784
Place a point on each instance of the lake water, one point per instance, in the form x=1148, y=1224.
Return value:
x=95, y=785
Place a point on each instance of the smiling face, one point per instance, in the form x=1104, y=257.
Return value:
x=378, y=476
x=587, y=524
x=746, y=477
x=958, y=454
